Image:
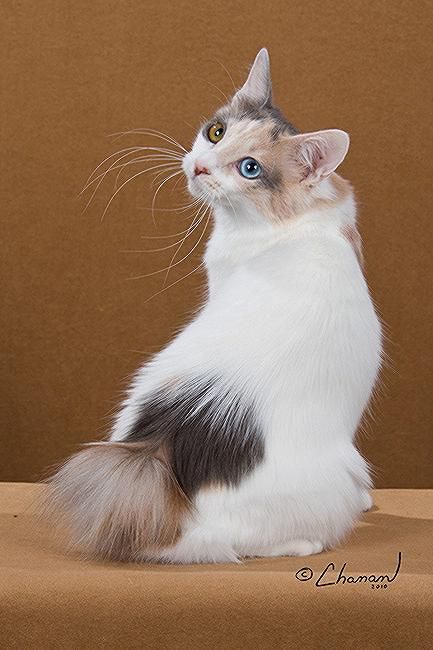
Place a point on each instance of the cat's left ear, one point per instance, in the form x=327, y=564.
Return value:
x=318, y=154
x=258, y=88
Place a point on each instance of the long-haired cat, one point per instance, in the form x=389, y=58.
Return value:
x=237, y=439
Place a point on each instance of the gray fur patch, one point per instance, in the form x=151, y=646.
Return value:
x=270, y=179
x=209, y=435
x=245, y=109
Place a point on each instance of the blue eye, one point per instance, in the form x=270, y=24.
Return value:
x=249, y=168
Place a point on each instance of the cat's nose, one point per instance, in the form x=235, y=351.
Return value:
x=200, y=169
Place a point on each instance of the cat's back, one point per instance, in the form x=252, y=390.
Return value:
x=287, y=297
x=292, y=274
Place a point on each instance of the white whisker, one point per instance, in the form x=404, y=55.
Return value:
x=135, y=161
x=158, y=174
x=164, y=248
x=105, y=160
x=113, y=166
x=228, y=73
x=148, y=275
x=195, y=222
x=152, y=132
x=179, y=209
x=169, y=161
x=140, y=173
x=157, y=192
x=127, y=151
x=216, y=88
x=174, y=283
x=156, y=152
x=232, y=206
x=176, y=184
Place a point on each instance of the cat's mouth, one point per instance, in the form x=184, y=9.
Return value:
x=204, y=186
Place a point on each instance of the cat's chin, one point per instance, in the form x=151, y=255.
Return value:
x=206, y=195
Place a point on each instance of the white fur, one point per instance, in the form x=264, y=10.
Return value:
x=290, y=322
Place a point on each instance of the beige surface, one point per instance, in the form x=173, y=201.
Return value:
x=48, y=600
x=72, y=326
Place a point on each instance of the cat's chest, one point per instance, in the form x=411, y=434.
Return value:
x=219, y=272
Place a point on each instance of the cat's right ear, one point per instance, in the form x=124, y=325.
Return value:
x=257, y=88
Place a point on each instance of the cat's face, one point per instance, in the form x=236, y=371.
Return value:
x=249, y=153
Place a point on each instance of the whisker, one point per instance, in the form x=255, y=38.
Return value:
x=135, y=161
x=200, y=219
x=128, y=151
x=148, y=275
x=174, y=283
x=140, y=173
x=164, y=236
x=176, y=183
x=157, y=192
x=101, y=177
x=232, y=206
x=111, y=168
x=164, y=248
x=193, y=128
x=195, y=222
x=181, y=232
x=225, y=69
x=216, y=88
x=105, y=160
x=152, y=132
x=169, y=159
x=181, y=208
x=156, y=152
x=158, y=174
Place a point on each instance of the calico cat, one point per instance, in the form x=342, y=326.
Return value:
x=237, y=439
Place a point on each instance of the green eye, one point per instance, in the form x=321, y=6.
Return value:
x=215, y=132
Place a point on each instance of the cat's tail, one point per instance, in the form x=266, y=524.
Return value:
x=120, y=501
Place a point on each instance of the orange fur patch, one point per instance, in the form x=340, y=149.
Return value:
x=286, y=194
x=351, y=234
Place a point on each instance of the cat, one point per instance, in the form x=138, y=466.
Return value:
x=237, y=440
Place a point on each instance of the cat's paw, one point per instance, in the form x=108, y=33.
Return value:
x=297, y=547
x=366, y=500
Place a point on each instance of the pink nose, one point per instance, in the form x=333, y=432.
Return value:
x=200, y=169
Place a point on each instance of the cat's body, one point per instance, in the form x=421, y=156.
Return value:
x=237, y=439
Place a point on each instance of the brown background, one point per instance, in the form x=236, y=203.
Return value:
x=73, y=324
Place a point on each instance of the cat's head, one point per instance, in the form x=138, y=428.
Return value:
x=249, y=153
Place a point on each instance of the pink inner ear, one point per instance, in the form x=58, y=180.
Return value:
x=320, y=153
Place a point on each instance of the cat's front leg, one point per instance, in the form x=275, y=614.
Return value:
x=296, y=547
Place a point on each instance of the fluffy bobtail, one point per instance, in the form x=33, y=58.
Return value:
x=127, y=500
x=120, y=501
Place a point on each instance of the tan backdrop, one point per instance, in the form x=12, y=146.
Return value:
x=73, y=323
